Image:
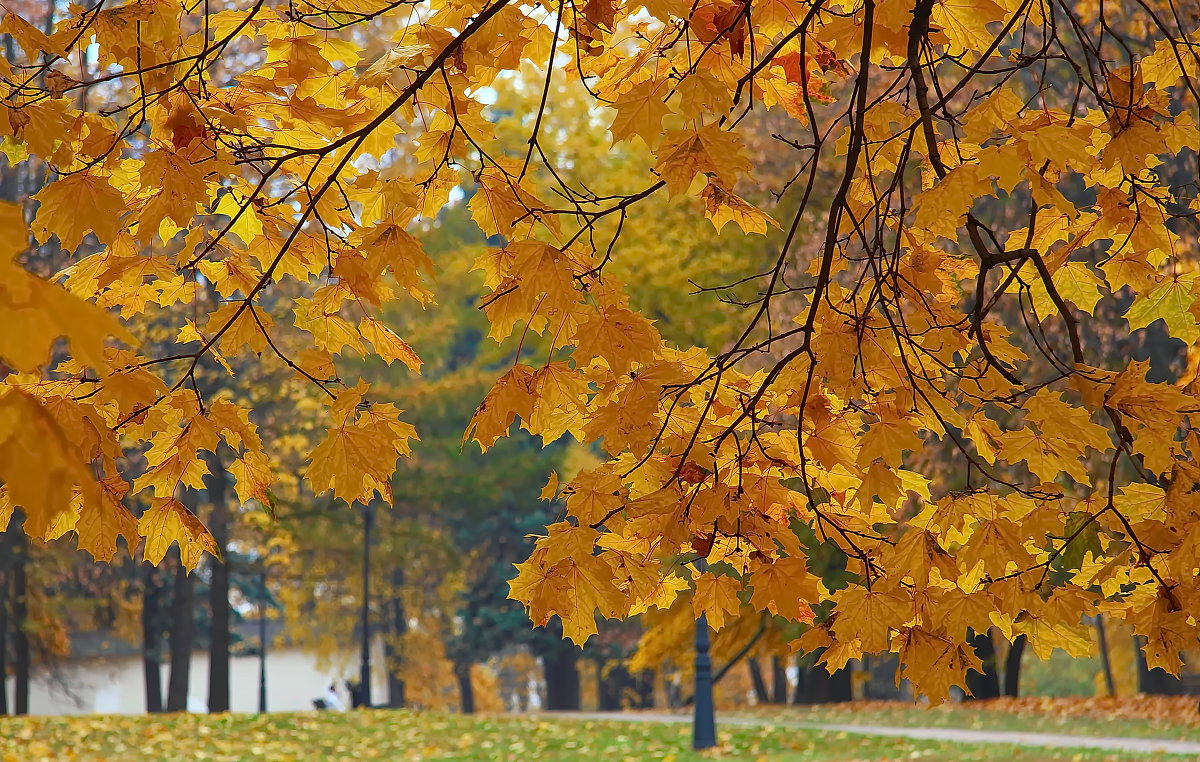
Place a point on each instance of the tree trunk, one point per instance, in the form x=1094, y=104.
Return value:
x=1155, y=681
x=1012, y=667
x=672, y=692
x=218, y=591
x=151, y=641
x=800, y=692
x=600, y=662
x=824, y=688
x=1110, y=684
x=466, y=691
x=181, y=640
x=760, y=685
x=396, y=698
x=561, y=669
x=986, y=684
x=643, y=686
x=779, y=681
x=613, y=682
x=20, y=624
x=880, y=684
x=5, y=579
x=841, y=686
x=814, y=684
x=393, y=644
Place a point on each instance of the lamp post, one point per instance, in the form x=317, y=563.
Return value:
x=704, y=724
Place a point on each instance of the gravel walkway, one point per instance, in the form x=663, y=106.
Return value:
x=956, y=735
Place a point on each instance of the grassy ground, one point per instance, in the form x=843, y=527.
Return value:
x=399, y=735
x=1167, y=718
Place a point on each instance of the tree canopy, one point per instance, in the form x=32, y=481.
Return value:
x=981, y=198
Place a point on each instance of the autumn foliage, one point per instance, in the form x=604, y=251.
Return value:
x=986, y=197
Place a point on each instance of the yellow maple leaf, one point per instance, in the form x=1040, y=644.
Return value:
x=242, y=332
x=169, y=521
x=388, y=345
x=618, y=335
x=640, y=111
x=1047, y=456
x=661, y=594
x=42, y=479
x=785, y=587
x=550, y=491
x=1170, y=302
x=254, y=476
x=31, y=39
x=915, y=554
x=101, y=522
x=559, y=393
x=75, y=205
x=934, y=663
x=1046, y=634
x=996, y=542
x=869, y=616
x=887, y=439
x=565, y=540
x=706, y=150
x=36, y=313
x=1167, y=632
x=594, y=494
x=511, y=397
x=243, y=219
x=536, y=588
x=358, y=455
x=575, y=588
x=716, y=597
x=721, y=206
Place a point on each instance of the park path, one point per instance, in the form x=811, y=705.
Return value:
x=955, y=735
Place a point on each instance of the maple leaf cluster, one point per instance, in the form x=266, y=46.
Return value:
x=260, y=167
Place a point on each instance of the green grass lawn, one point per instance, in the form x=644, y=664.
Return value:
x=1168, y=719
x=401, y=735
